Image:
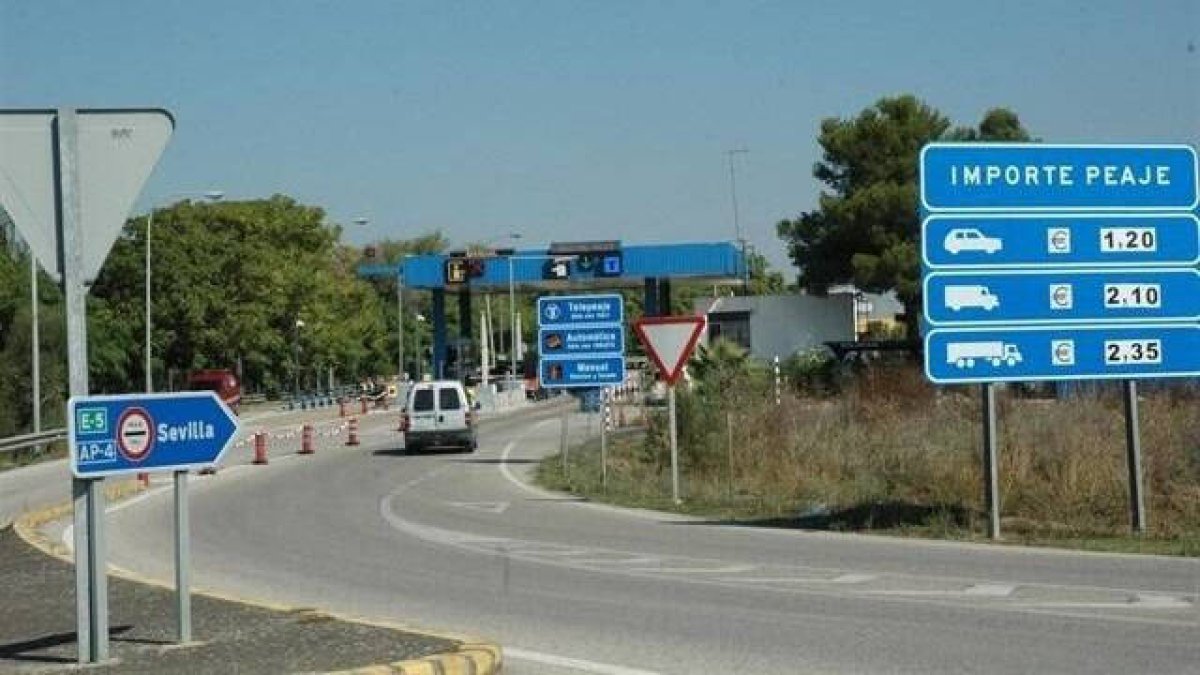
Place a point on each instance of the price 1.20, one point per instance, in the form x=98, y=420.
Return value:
x=1132, y=352
x=1117, y=239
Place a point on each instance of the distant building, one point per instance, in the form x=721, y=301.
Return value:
x=779, y=325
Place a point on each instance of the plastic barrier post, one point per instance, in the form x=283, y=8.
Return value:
x=306, y=439
x=353, y=440
x=260, y=448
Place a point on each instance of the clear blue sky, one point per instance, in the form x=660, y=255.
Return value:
x=581, y=120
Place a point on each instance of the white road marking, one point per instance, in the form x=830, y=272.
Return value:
x=842, y=579
x=728, y=569
x=991, y=590
x=575, y=664
x=487, y=507
x=1142, y=601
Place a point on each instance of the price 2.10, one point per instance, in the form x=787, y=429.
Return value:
x=1132, y=296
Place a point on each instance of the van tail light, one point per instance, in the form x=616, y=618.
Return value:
x=404, y=422
x=470, y=418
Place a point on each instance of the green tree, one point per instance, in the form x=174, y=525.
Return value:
x=866, y=228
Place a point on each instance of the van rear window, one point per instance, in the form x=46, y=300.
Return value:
x=448, y=399
x=422, y=400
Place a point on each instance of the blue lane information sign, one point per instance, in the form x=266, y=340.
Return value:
x=123, y=434
x=583, y=372
x=1060, y=262
x=576, y=340
x=1044, y=177
x=581, y=340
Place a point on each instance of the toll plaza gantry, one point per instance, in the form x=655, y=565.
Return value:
x=560, y=267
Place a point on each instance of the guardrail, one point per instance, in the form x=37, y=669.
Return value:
x=31, y=440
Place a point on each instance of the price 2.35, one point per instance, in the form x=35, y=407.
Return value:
x=1132, y=352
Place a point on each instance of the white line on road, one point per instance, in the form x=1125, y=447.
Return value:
x=575, y=664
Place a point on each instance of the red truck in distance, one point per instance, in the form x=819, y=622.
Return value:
x=220, y=380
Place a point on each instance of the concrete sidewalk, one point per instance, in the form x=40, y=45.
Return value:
x=37, y=629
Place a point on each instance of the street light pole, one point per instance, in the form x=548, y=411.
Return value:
x=211, y=195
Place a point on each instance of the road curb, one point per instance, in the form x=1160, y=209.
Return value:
x=471, y=657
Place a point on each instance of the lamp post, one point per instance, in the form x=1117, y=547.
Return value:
x=210, y=195
x=296, y=358
x=420, y=359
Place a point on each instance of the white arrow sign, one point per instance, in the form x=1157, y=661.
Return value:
x=669, y=341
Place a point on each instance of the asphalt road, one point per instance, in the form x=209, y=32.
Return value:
x=461, y=543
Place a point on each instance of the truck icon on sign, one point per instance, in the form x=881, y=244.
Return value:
x=969, y=239
x=965, y=354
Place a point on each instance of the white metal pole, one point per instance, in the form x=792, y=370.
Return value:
x=146, y=349
x=183, y=592
x=512, y=324
x=34, y=337
x=674, y=445
x=400, y=326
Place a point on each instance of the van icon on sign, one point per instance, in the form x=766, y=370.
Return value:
x=975, y=297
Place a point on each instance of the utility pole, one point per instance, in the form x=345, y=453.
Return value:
x=737, y=226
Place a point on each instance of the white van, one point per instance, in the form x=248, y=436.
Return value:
x=437, y=413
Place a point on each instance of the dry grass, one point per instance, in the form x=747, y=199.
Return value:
x=892, y=452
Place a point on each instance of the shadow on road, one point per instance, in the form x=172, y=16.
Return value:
x=18, y=651
x=865, y=516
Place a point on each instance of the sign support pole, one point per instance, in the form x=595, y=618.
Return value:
x=991, y=479
x=604, y=412
x=674, y=445
x=182, y=557
x=1133, y=450
x=563, y=441
x=91, y=588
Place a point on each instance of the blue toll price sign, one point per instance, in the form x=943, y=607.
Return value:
x=1058, y=240
x=1033, y=353
x=997, y=297
x=582, y=372
x=1046, y=177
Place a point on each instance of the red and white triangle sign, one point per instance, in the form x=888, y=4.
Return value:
x=669, y=341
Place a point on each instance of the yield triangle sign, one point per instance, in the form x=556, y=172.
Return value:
x=669, y=341
x=115, y=151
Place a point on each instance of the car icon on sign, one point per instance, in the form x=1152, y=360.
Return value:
x=969, y=239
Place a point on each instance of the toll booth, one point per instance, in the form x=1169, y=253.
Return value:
x=560, y=267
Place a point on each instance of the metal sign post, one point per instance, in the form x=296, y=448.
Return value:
x=674, y=445
x=183, y=597
x=1133, y=450
x=991, y=470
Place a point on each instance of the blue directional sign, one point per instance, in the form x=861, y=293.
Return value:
x=560, y=310
x=1044, y=177
x=1015, y=354
x=132, y=433
x=582, y=372
x=581, y=340
x=998, y=297
x=1060, y=240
